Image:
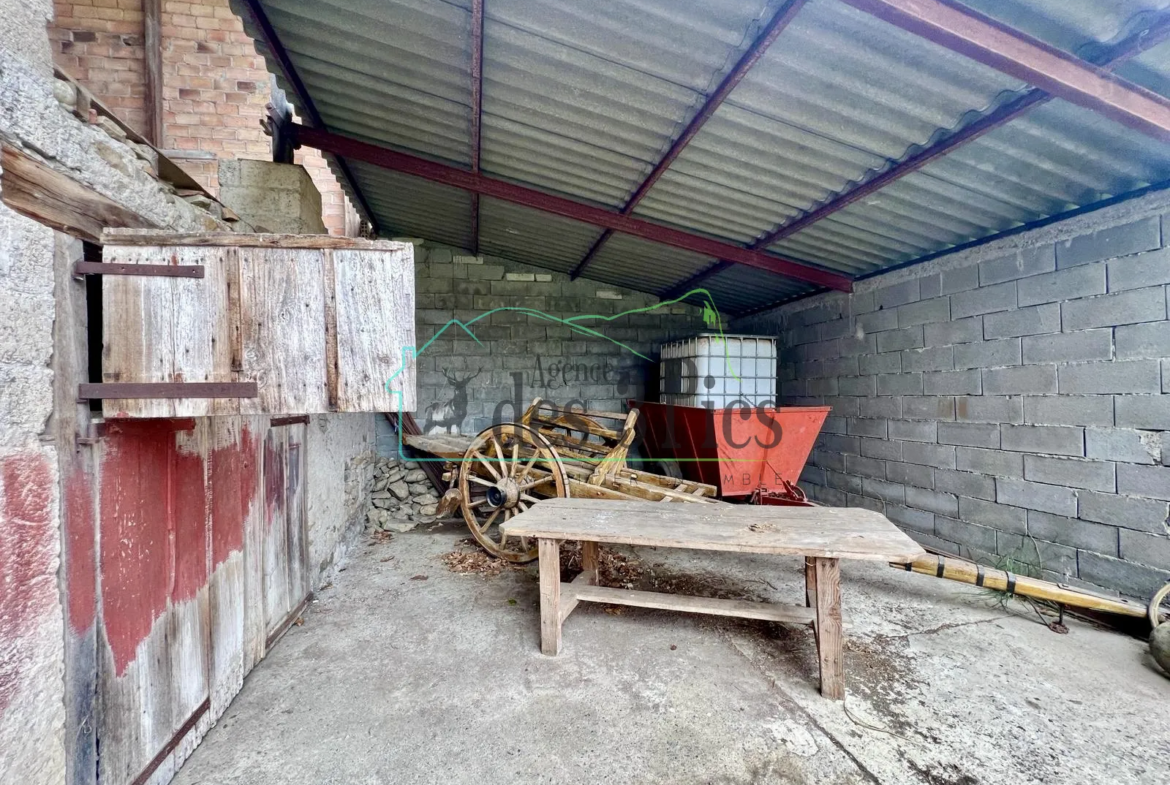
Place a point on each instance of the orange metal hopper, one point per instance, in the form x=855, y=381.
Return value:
x=737, y=449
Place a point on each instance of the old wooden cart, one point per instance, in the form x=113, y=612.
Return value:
x=551, y=452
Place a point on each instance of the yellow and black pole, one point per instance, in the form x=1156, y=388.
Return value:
x=956, y=569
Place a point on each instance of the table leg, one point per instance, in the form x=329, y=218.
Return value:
x=549, y=552
x=590, y=564
x=810, y=583
x=828, y=627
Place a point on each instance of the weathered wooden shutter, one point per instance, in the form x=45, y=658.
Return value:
x=317, y=323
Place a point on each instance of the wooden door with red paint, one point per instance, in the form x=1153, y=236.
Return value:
x=286, y=574
x=155, y=640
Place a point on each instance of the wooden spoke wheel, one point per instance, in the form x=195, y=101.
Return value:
x=507, y=469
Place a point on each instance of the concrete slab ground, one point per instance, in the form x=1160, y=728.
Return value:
x=397, y=679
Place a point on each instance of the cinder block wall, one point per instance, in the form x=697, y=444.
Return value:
x=1006, y=401
x=549, y=359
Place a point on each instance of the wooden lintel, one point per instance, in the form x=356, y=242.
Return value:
x=95, y=391
x=40, y=192
x=245, y=240
x=152, y=45
x=153, y=270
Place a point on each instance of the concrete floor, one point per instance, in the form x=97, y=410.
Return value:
x=395, y=679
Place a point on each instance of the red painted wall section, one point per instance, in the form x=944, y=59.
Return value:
x=134, y=517
x=275, y=489
x=28, y=550
x=162, y=531
x=80, y=538
x=189, y=525
x=234, y=475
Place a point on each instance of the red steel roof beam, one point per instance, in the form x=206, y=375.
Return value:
x=476, y=109
x=477, y=182
x=272, y=41
x=770, y=32
x=1029, y=59
x=1132, y=46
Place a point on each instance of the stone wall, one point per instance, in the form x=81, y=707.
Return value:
x=33, y=475
x=339, y=460
x=516, y=356
x=1008, y=401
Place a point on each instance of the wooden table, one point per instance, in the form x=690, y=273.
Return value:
x=822, y=535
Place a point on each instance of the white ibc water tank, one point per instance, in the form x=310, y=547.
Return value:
x=717, y=371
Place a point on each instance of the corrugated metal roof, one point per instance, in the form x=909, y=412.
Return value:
x=656, y=267
x=582, y=99
x=533, y=237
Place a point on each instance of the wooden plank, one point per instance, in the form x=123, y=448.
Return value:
x=216, y=327
x=590, y=563
x=137, y=334
x=262, y=315
x=168, y=170
x=49, y=197
x=549, y=552
x=155, y=270
x=152, y=45
x=131, y=237
x=196, y=311
x=154, y=658
x=545, y=406
x=827, y=532
x=329, y=281
x=569, y=600
x=449, y=447
x=295, y=515
x=676, y=602
x=232, y=485
x=810, y=583
x=828, y=628
x=93, y=391
x=375, y=325
x=283, y=325
x=234, y=314
x=255, y=530
x=277, y=600
x=167, y=330
x=957, y=569
x=71, y=426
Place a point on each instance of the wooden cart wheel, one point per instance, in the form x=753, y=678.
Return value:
x=507, y=469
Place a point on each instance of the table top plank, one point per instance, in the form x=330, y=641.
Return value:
x=825, y=532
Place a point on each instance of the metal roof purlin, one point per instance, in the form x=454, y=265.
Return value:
x=1029, y=59
x=1148, y=37
x=477, y=182
x=289, y=71
x=476, y=109
x=1016, y=230
x=767, y=35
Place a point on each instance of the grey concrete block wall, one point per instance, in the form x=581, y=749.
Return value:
x=1012, y=400
x=516, y=356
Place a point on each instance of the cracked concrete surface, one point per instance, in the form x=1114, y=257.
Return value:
x=396, y=679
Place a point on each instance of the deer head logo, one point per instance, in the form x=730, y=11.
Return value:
x=448, y=416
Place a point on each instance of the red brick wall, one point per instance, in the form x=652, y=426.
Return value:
x=215, y=86
x=99, y=42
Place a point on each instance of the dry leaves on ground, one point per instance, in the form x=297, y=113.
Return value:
x=477, y=561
